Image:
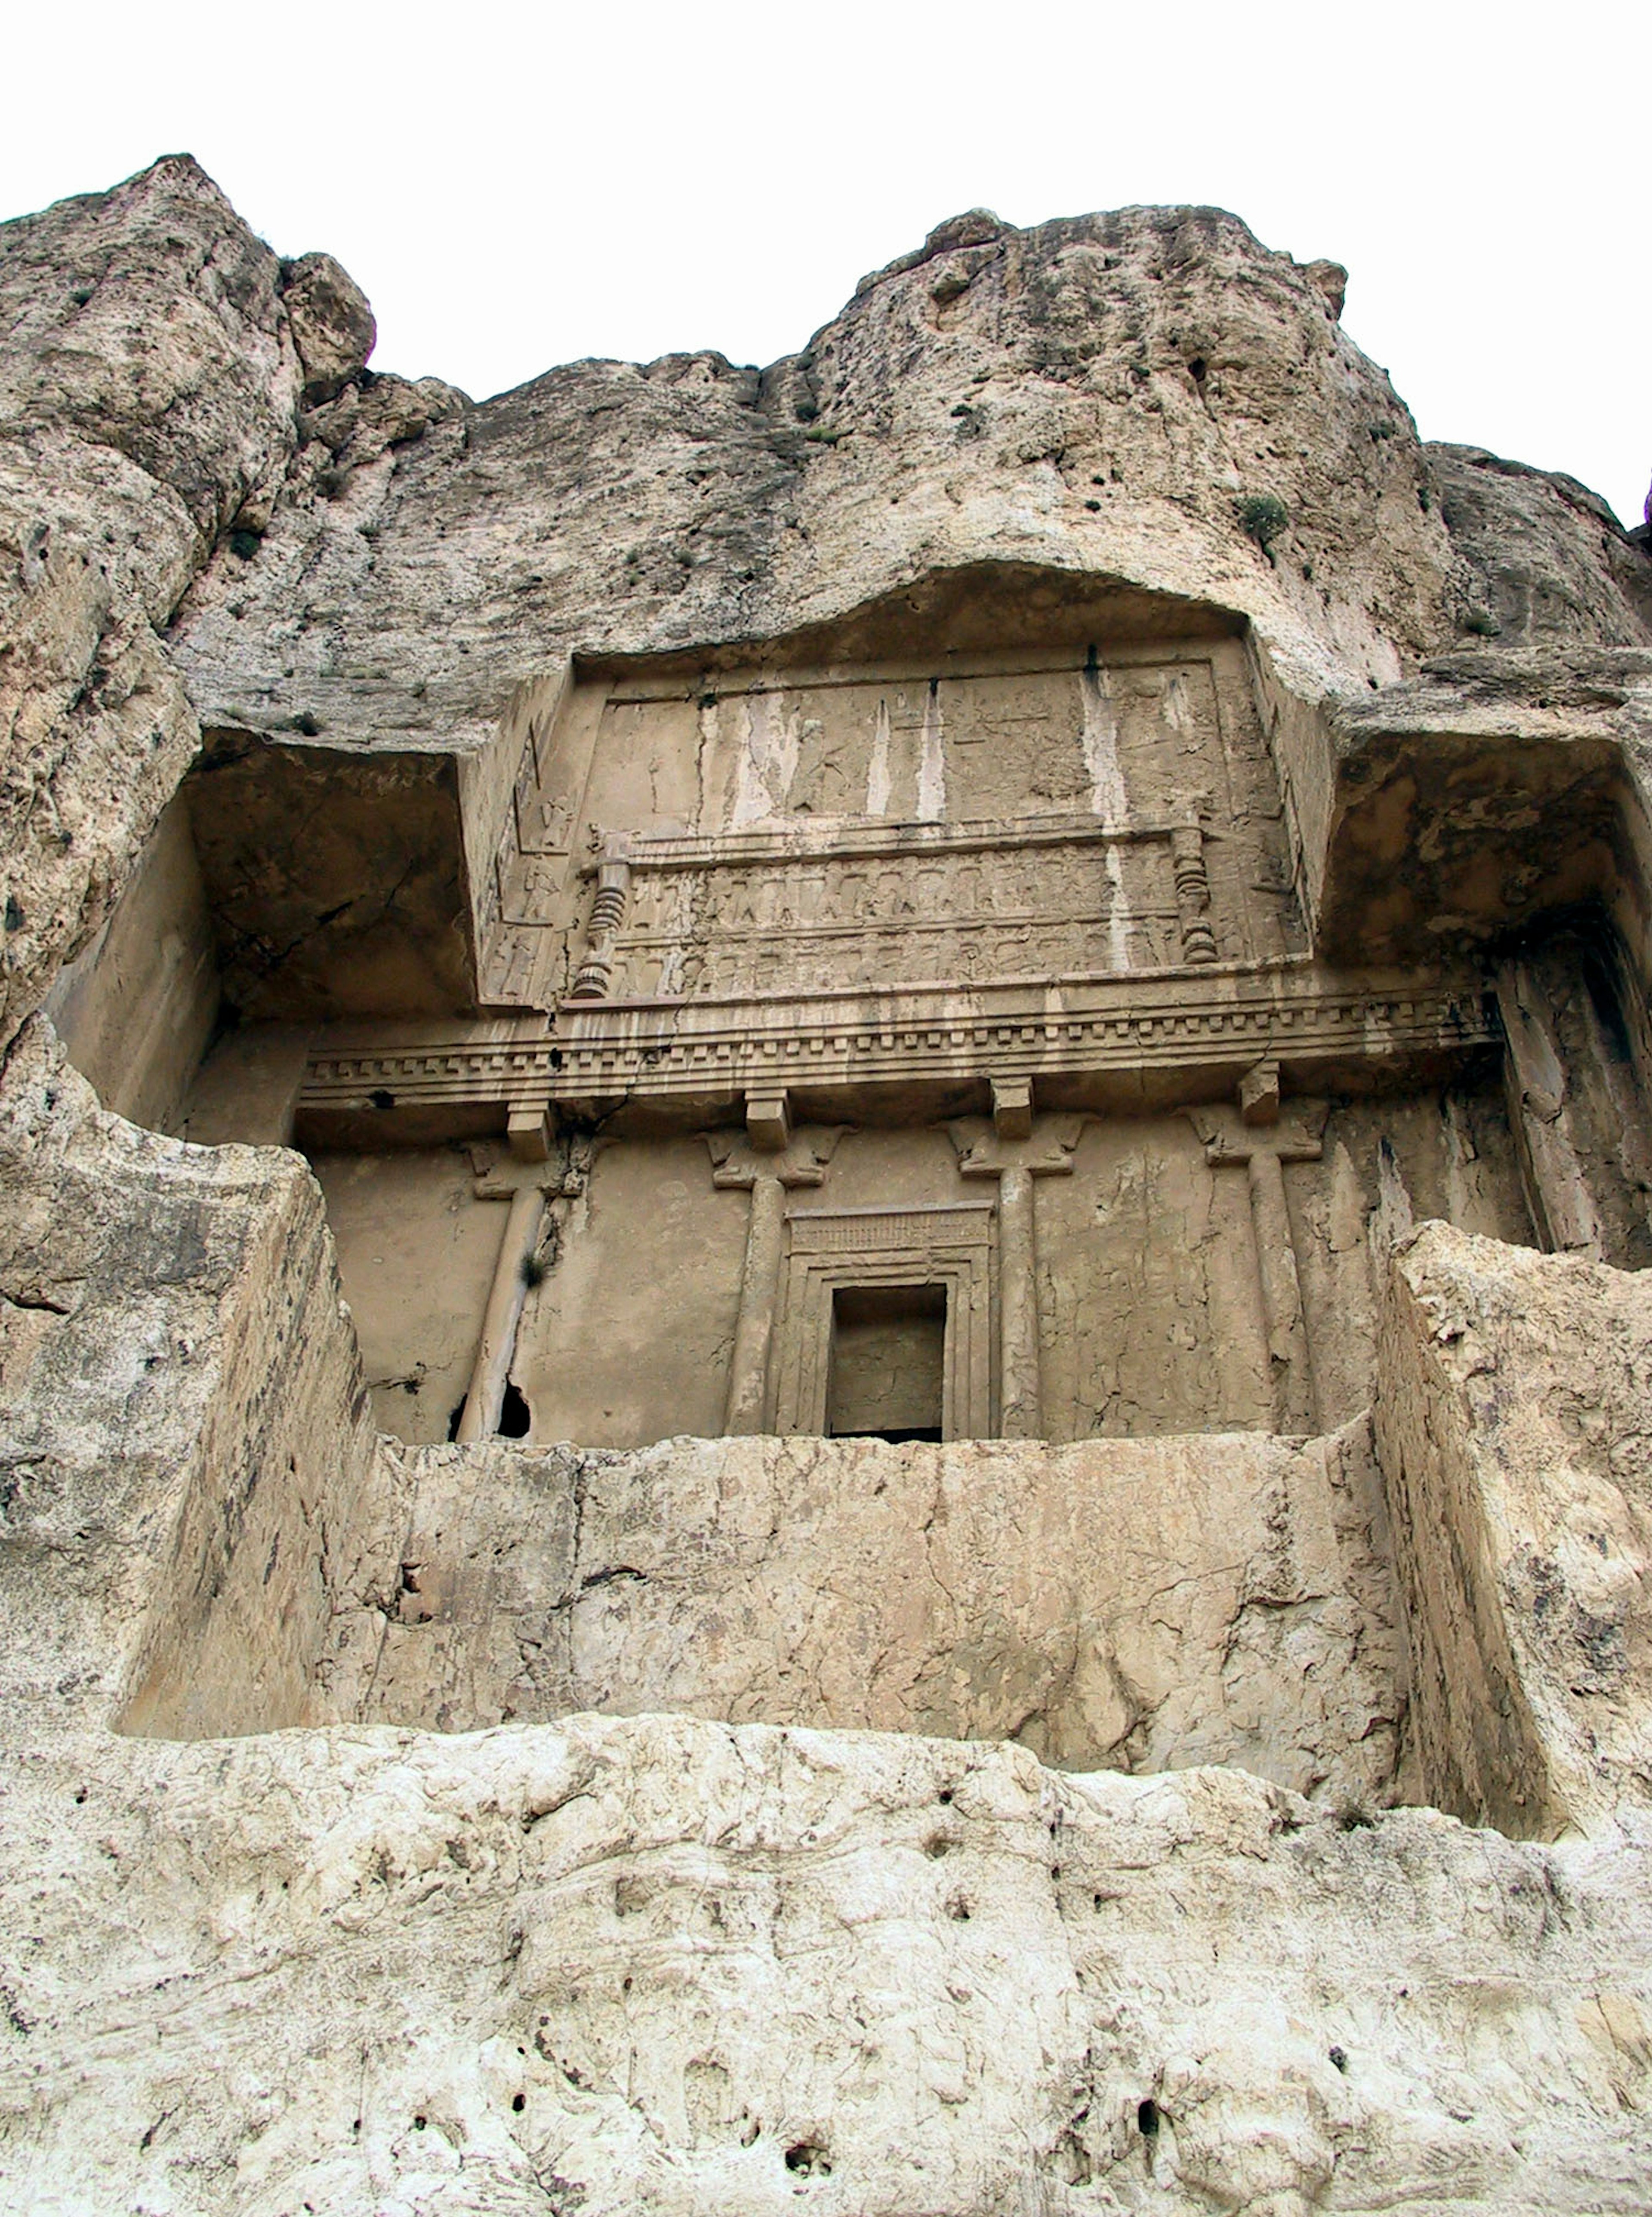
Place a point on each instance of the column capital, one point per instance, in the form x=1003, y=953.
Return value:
x=768, y=1121
x=802, y=1161
x=1046, y=1151
x=528, y=1130
x=500, y=1176
x=1297, y=1137
x=1011, y=1107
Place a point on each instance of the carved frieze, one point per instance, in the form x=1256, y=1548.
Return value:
x=1148, y=1033
x=699, y=919
x=1004, y=816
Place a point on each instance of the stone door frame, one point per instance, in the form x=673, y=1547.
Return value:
x=950, y=1243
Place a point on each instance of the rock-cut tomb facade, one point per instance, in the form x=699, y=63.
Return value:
x=823, y=1350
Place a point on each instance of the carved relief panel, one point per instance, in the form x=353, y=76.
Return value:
x=1021, y=815
x=1061, y=896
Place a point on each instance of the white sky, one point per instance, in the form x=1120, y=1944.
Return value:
x=517, y=186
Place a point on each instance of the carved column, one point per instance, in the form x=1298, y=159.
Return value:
x=1020, y=1395
x=1192, y=894
x=1045, y=1151
x=1557, y=1191
x=750, y=1163
x=527, y=1190
x=1264, y=1138
x=745, y=1409
x=595, y=972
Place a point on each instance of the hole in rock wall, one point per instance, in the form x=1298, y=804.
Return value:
x=888, y=1358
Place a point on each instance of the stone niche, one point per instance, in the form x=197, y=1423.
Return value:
x=860, y=1200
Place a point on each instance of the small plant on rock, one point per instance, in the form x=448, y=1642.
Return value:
x=1262, y=517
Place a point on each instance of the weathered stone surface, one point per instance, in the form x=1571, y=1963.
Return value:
x=1511, y=783
x=147, y=390
x=1514, y=1427
x=169, y=1316
x=1541, y=560
x=331, y=1958
x=1143, y=1604
x=1021, y=398
x=1031, y=398
x=332, y=324
x=657, y=1964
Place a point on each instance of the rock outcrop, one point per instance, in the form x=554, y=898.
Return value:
x=656, y=1963
x=1236, y=1610
x=1514, y=1434
x=148, y=388
x=1150, y=398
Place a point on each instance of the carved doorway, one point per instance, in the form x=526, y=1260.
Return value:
x=880, y=1263
x=887, y=1375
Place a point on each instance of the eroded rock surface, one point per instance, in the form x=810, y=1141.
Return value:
x=1116, y=397
x=658, y=1964
x=1142, y=1604
x=1515, y=1436
x=147, y=390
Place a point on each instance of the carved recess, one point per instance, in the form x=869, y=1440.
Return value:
x=1039, y=812
x=1039, y=864
x=953, y=1246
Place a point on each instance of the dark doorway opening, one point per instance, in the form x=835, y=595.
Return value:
x=888, y=1366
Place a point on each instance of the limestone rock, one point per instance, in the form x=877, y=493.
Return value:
x=1025, y=399
x=1540, y=558
x=1238, y=1612
x=661, y=1964
x=332, y=324
x=804, y=1925
x=147, y=390
x=373, y=412
x=144, y=1287
x=1514, y=1431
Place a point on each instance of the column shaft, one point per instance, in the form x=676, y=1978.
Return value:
x=747, y=1409
x=1021, y=1411
x=1287, y=1328
x=484, y=1402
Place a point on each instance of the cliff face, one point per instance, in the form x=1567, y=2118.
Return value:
x=1094, y=397
x=1150, y=398
x=759, y=1955
x=147, y=391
